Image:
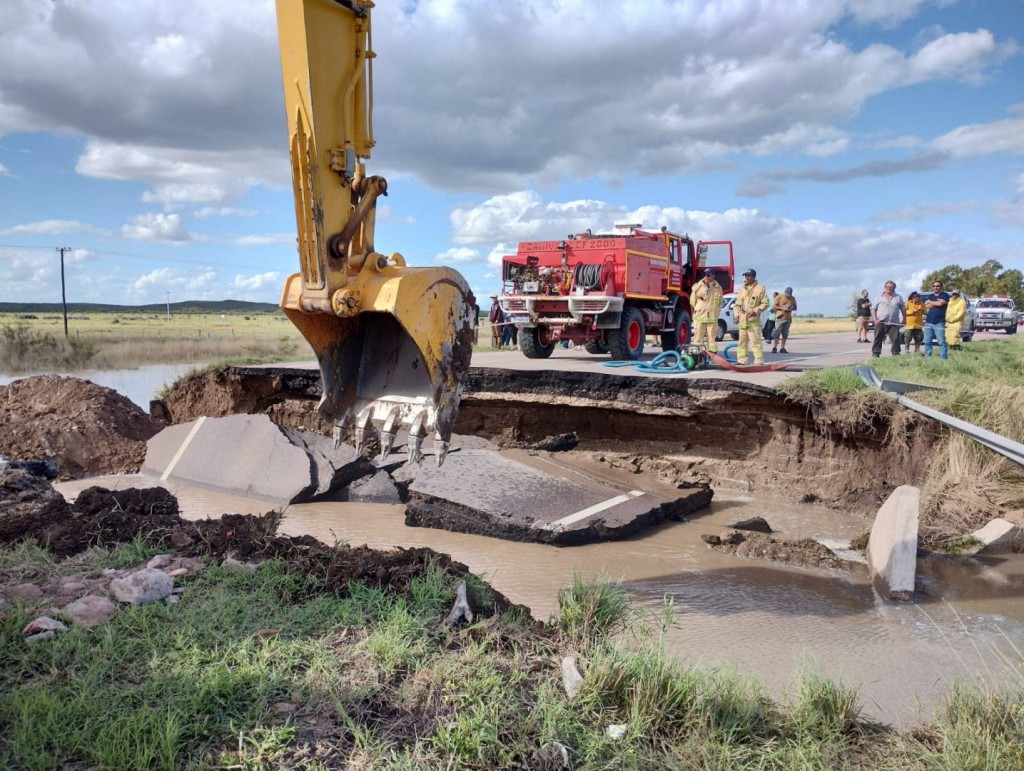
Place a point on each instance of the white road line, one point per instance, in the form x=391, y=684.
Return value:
x=597, y=508
x=181, y=450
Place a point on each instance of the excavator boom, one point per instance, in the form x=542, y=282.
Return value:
x=393, y=342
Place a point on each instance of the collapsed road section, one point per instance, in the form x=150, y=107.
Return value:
x=678, y=433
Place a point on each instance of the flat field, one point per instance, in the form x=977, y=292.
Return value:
x=35, y=342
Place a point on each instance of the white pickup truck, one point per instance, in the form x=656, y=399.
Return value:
x=996, y=312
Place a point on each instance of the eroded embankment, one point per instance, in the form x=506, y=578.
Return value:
x=847, y=452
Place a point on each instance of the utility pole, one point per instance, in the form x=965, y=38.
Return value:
x=63, y=293
x=168, y=306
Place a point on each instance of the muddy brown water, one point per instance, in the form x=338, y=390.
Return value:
x=761, y=619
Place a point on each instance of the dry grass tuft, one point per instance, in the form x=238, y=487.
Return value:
x=968, y=485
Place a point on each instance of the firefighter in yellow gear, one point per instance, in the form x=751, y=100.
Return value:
x=751, y=302
x=956, y=309
x=706, y=300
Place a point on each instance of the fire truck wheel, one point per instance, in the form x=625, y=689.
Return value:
x=627, y=342
x=534, y=343
x=681, y=336
x=596, y=347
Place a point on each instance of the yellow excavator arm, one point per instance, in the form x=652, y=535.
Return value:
x=393, y=342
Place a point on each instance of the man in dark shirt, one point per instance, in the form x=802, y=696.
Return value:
x=935, y=320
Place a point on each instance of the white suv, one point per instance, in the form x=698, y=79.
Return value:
x=996, y=312
x=726, y=322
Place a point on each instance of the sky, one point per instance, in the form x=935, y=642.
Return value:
x=837, y=143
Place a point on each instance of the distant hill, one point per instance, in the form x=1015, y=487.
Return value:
x=187, y=306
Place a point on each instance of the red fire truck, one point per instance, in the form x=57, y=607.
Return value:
x=608, y=292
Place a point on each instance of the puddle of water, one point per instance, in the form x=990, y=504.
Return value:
x=761, y=619
x=140, y=385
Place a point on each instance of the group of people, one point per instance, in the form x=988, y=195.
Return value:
x=751, y=302
x=503, y=332
x=935, y=318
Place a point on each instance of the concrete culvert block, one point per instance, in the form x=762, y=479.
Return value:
x=252, y=456
x=999, y=535
x=892, y=546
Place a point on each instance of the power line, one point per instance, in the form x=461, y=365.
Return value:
x=173, y=260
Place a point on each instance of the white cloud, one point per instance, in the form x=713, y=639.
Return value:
x=1011, y=211
x=185, y=96
x=1003, y=136
x=191, y=285
x=183, y=177
x=223, y=211
x=4, y=171
x=457, y=255
x=258, y=281
x=156, y=227
x=265, y=239
x=51, y=228
x=924, y=210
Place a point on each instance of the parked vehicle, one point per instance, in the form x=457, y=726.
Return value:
x=726, y=321
x=997, y=312
x=608, y=292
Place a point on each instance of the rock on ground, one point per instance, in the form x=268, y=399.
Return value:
x=87, y=429
x=142, y=586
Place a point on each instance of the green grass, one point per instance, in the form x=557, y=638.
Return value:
x=375, y=680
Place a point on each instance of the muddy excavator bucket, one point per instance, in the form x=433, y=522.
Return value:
x=397, y=360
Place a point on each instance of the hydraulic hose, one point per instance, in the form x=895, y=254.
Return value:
x=667, y=363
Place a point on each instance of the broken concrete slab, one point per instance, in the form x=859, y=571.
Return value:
x=892, y=547
x=754, y=525
x=379, y=488
x=484, y=492
x=999, y=535
x=252, y=456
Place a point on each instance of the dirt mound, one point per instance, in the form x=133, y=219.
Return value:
x=803, y=552
x=31, y=509
x=87, y=429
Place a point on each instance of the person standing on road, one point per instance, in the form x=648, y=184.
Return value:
x=956, y=309
x=769, y=325
x=785, y=307
x=914, y=331
x=863, y=306
x=495, y=317
x=935, y=320
x=707, y=305
x=889, y=314
x=751, y=302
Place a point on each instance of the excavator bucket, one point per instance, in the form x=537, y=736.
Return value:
x=393, y=342
x=399, y=362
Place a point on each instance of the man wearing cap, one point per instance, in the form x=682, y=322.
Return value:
x=751, y=302
x=785, y=306
x=707, y=304
x=956, y=309
x=495, y=317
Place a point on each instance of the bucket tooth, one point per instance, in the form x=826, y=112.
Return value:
x=339, y=428
x=417, y=430
x=388, y=431
x=362, y=426
x=441, y=451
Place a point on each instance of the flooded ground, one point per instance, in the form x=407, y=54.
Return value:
x=756, y=618
x=140, y=385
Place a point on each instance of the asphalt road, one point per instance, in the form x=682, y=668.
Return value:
x=805, y=352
